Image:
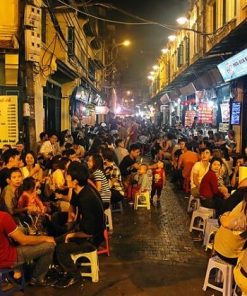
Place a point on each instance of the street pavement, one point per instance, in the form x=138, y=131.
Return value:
x=152, y=253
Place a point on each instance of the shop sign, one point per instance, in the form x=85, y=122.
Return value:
x=189, y=117
x=205, y=113
x=8, y=120
x=236, y=113
x=234, y=67
x=82, y=94
x=223, y=127
x=225, y=112
x=101, y=110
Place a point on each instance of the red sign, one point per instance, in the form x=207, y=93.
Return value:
x=205, y=113
x=189, y=117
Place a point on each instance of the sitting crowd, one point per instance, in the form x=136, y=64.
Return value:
x=212, y=172
x=53, y=201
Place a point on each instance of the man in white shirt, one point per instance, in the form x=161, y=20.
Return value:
x=199, y=170
x=48, y=148
x=120, y=151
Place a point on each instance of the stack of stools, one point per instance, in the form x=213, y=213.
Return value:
x=212, y=226
x=92, y=258
x=227, y=272
x=194, y=204
x=199, y=218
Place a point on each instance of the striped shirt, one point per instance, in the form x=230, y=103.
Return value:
x=105, y=192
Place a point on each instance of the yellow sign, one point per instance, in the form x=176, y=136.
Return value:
x=8, y=120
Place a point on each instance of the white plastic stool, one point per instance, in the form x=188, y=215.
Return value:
x=237, y=291
x=212, y=225
x=227, y=271
x=194, y=204
x=93, y=263
x=210, y=238
x=108, y=215
x=145, y=203
x=202, y=214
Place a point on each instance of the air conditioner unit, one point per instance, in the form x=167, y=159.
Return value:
x=32, y=16
x=32, y=45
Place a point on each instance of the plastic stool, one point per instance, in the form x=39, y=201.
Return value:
x=108, y=215
x=117, y=207
x=6, y=274
x=106, y=249
x=203, y=214
x=146, y=200
x=93, y=263
x=227, y=271
x=237, y=291
x=194, y=204
x=212, y=225
x=210, y=238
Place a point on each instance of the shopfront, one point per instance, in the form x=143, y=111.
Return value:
x=234, y=71
x=81, y=110
x=52, y=107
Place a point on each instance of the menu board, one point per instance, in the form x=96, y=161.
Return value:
x=225, y=112
x=236, y=113
x=8, y=120
x=189, y=117
x=205, y=113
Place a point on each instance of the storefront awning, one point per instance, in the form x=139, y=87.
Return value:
x=232, y=43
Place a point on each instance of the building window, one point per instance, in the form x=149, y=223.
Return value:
x=71, y=41
x=187, y=50
x=214, y=16
x=224, y=12
x=235, y=7
x=43, y=25
x=180, y=56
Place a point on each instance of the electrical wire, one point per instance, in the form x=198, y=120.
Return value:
x=101, y=18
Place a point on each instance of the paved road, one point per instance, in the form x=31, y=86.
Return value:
x=152, y=253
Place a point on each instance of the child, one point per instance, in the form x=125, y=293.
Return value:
x=159, y=179
x=29, y=198
x=142, y=182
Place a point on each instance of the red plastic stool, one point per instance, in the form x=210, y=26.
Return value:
x=106, y=249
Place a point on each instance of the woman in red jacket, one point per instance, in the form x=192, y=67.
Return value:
x=212, y=193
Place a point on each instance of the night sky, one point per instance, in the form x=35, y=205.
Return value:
x=147, y=41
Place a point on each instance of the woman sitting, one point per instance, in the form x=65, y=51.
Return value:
x=212, y=192
x=113, y=175
x=31, y=167
x=95, y=166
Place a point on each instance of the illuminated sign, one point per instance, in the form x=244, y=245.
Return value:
x=236, y=113
x=234, y=67
x=8, y=120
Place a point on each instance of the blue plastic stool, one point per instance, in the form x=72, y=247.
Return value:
x=5, y=274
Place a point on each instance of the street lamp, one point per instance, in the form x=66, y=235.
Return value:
x=172, y=38
x=155, y=67
x=182, y=20
x=126, y=43
x=164, y=50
